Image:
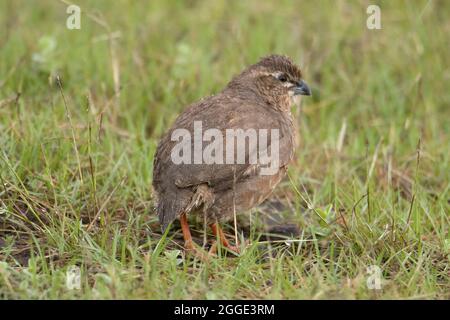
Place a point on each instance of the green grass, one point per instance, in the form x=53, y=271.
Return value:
x=369, y=186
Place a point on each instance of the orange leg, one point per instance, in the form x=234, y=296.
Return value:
x=217, y=231
x=188, y=242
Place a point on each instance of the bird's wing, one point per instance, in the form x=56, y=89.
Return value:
x=220, y=113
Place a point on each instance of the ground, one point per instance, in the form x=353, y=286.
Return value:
x=366, y=198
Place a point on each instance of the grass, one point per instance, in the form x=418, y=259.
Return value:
x=369, y=186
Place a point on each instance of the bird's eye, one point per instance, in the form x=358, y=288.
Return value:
x=282, y=77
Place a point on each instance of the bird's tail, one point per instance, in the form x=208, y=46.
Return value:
x=172, y=205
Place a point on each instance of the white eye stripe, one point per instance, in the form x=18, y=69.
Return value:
x=277, y=74
x=286, y=84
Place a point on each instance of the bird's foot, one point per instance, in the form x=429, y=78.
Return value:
x=192, y=249
x=189, y=245
x=234, y=249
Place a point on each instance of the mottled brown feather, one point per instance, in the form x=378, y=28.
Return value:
x=251, y=100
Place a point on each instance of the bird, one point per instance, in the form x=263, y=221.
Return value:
x=259, y=98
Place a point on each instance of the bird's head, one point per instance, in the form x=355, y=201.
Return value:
x=276, y=79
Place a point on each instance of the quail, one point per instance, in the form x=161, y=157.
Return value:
x=259, y=98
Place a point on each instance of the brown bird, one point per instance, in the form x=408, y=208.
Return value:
x=259, y=98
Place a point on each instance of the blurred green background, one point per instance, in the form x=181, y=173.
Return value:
x=379, y=96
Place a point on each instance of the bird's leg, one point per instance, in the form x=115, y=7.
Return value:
x=188, y=242
x=217, y=231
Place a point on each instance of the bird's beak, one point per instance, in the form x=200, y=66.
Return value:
x=302, y=89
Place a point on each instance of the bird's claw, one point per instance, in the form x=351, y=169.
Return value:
x=191, y=248
x=234, y=249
